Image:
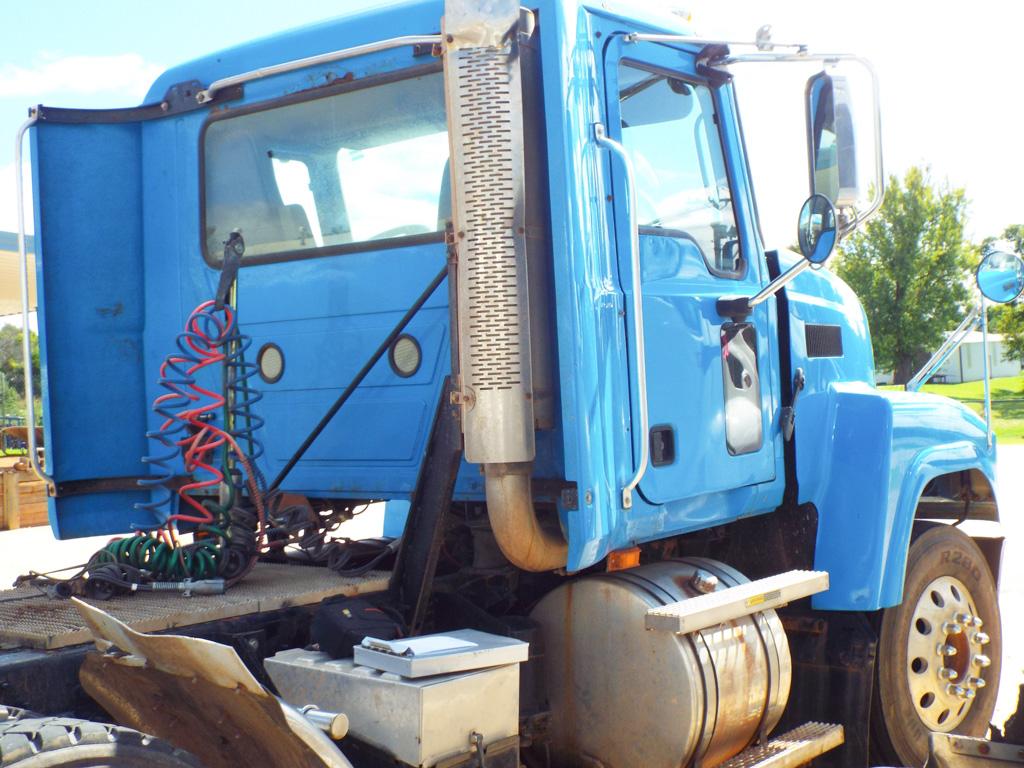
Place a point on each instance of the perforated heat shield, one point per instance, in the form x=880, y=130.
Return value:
x=484, y=98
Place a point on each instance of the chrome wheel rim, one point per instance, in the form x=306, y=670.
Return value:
x=946, y=657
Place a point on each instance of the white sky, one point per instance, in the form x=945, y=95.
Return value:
x=950, y=72
x=950, y=89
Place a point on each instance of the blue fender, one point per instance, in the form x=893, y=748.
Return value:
x=864, y=457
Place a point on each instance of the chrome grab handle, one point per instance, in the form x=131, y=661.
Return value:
x=208, y=93
x=26, y=347
x=601, y=136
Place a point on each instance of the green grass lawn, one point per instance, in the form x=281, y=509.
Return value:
x=1007, y=403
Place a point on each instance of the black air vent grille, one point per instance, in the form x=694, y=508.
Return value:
x=824, y=340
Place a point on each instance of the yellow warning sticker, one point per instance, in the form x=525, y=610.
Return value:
x=764, y=597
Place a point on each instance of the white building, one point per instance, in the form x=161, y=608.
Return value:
x=967, y=362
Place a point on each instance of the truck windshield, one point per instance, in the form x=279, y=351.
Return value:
x=330, y=174
x=671, y=134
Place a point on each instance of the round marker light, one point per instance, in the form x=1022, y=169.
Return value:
x=270, y=361
x=405, y=356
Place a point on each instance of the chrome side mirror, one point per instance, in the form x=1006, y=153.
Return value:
x=831, y=141
x=816, y=231
x=1000, y=277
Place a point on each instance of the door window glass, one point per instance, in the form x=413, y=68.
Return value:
x=670, y=131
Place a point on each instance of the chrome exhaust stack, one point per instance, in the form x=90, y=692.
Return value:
x=485, y=116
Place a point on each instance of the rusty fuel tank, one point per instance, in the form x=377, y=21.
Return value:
x=623, y=696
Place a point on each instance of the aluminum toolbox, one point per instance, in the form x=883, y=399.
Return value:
x=420, y=721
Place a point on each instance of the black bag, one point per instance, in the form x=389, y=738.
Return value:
x=341, y=624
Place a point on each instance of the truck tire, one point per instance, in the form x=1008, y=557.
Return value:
x=31, y=741
x=939, y=650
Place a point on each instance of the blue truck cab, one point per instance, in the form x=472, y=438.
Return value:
x=563, y=194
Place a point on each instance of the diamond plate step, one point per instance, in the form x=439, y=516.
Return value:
x=796, y=747
x=723, y=605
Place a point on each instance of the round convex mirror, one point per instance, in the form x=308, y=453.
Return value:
x=1000, y=276
x=817, y=229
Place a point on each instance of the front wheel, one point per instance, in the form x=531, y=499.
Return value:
x=31, y=741
x=939, y=650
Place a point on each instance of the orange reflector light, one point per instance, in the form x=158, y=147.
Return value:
x=623, y=559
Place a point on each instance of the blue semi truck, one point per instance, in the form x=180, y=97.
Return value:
x=504, y=264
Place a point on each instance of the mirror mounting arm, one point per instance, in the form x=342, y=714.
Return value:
x=737, y=309
x=740, y=308
x=816, y=234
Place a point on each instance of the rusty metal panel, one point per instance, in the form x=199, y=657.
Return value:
x=199, y=696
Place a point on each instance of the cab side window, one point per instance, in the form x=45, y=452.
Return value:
x=329, y=174
x=670, y=131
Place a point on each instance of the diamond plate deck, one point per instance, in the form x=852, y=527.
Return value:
x=37, y=621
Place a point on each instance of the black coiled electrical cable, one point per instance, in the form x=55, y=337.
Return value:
x=242, y=544
x=243, y=422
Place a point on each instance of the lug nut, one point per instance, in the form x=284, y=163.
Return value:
x=956, y=690
x=947, y=673
x=981, y=638
x=981, y=660
x=950, y=628
x=969, y=693
x=976, y=682
x=945, y=649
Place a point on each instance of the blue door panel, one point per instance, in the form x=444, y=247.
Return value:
x=682, y=334
x=90, y=277
x=684, y=375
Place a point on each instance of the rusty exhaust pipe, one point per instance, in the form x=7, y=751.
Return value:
x=514, y=521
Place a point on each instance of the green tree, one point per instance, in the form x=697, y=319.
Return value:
x=1015, y=234
x=909, y=267
x=11, y=363
x=1009, y=319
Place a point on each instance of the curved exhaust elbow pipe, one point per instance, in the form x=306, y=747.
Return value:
x=514, y=520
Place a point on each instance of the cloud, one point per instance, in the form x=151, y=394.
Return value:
x=128, y=74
